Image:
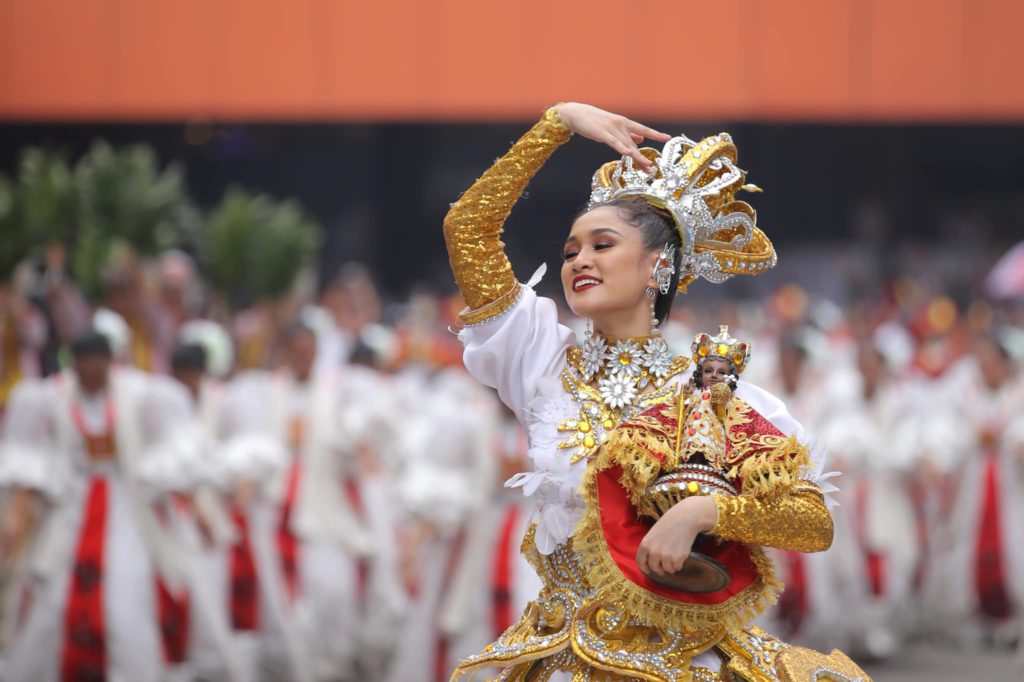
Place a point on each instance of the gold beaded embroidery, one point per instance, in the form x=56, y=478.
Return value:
x=596, y=420
x=755, y=521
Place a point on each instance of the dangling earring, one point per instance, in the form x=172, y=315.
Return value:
x=665, y=268
x=595, y=351
x=652, y=297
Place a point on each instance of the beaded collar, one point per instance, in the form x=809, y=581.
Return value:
x=630, y=374
x=624, y=368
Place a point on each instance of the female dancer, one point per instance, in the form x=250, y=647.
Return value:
x=655, y=223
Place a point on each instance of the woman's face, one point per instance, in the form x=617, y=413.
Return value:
x=605, y=268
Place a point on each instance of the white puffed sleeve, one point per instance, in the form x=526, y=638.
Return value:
x=31, y=455
x=365, y=413
x=516, y=351
x=449, y=471
x=250, y=448
x=175, y=453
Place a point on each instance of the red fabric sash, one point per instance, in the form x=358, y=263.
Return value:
x=287, y=543
x=501, y=575
x=624, y=529
x=174, y=616
x=875, y=563
x=989, y=566
x=173, y=612
x=243, y=601
x=84, y=654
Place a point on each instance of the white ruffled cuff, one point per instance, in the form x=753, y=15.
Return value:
x=441, y=497
x=181, y=462
x=28, y=467
x=254, y=457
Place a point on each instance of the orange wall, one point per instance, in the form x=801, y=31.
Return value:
x=504, y=59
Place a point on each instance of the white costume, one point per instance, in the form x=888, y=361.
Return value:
x=875, y=554
x=983, y=547
x=99, y=531
x=308, y=535
x=446, y=483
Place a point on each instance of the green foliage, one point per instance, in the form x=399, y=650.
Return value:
x=15, y=240
x=118, y=202
x=90, y=258
x=253, y=247
x=46, y=195
x=124, y=196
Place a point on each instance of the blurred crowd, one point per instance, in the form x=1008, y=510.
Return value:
x=310, y=488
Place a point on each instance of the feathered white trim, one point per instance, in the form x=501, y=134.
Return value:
x=182, y=461
x=253, y=456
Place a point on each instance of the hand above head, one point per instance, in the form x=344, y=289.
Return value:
x=668, y=543
x=618, y=132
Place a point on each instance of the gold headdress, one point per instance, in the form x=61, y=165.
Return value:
x=696, y=183
x=722, y=346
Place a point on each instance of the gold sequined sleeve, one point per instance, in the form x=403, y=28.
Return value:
x=798, y=520
x=472, y=228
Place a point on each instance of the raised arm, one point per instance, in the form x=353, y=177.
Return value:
x=472, y=228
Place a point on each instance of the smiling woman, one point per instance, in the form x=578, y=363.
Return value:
x=621, y=244
x=604, y=419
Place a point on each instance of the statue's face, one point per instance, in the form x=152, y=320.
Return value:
x=714, y=371
x=605, y=268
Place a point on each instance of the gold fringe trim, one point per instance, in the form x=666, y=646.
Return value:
x=771, y=473
x=633, y=448
x=604, y=576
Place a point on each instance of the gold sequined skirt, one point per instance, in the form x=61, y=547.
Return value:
x=568, y=628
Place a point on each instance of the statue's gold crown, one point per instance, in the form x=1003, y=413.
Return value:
x=722, y=346
x=697, y=184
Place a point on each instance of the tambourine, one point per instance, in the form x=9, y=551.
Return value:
x=700, y=574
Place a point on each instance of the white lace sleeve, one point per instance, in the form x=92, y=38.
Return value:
x=516, y=351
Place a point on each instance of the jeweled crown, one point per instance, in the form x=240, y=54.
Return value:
x=722, y=347
x=697, y=184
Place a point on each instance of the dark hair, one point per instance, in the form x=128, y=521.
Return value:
x=90, y=343
x=657, y=228
x=189, y=356
x=298, y=327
